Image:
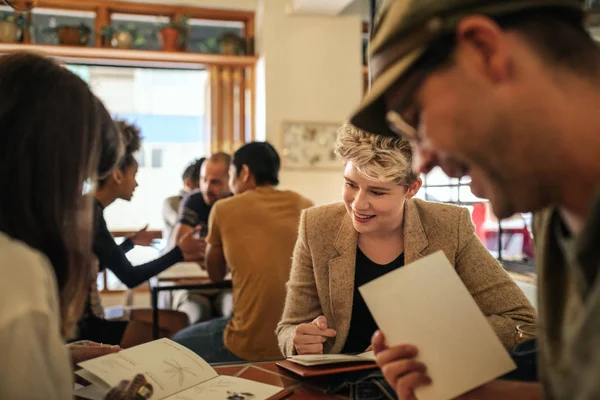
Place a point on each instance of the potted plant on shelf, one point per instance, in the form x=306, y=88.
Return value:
x=231, y=44
x=122, y=36
x=12, y=26
x=174, y=34
x=208, y=46
x=73, y=35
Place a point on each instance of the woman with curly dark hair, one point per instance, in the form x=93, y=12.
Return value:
x=136, y=326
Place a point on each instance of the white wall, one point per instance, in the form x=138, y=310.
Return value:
x=312, y=72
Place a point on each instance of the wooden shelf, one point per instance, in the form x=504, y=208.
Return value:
x=134, y=7
x=132, y=58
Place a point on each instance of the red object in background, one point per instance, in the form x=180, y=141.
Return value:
x=486, y=228
x=169, y=38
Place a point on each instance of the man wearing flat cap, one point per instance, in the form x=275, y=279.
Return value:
x=507, y=92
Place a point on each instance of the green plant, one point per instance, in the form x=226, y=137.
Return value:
x=182, y=25
x=230, y=39
x=209, y=46
x=18, y=19
x=138, y=35
x=82, y=27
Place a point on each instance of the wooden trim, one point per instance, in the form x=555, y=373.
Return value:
x=131, y=57
x=149, y=9
x=228, y=106
x=240, y=84
x=154, y=233
x=142, y=288
x=102, y=20
x=250, y=36
x=216, y=102
x=365, y=27
x=252, y=86
x=105, y=280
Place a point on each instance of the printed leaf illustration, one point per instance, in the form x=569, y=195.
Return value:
x=177, y=371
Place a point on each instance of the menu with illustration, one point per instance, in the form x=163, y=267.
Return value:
x=175, y=372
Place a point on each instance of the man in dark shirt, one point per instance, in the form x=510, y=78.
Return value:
x=214, y=185
x=172, y=205
x=194, y=212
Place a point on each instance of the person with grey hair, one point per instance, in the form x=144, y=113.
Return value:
x=506, y=92
x=378, y=228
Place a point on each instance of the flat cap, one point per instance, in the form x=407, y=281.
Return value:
x=403, y=31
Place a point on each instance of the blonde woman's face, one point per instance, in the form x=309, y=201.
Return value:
x=374, y=206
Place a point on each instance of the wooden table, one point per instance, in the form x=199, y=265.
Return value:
x=183, y=276
x=271, y=374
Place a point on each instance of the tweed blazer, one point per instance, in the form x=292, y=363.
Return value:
x=322, y=276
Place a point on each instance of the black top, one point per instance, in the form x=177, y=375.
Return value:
x=111, y=256
x=194, y=211
x=362, y=324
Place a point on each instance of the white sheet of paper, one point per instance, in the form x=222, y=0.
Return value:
x=324, y=359
x=93, y=379
x=427, y=305
x=167, y=365
x=91, y=392
x=226, y=387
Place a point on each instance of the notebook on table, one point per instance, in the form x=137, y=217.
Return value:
x=175, y=372
x=310, y=365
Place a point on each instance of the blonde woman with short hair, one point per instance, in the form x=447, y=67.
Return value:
x=377, y=228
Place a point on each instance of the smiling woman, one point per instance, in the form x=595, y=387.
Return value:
x=379, y=227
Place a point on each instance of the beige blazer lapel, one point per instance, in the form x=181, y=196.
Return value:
x=341, y=281
x=415, y=239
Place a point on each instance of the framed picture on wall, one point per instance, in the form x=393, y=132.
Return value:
x=310, y=145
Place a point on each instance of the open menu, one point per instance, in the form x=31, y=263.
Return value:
x=175, y=372
x=426, y=304
x=309, y=360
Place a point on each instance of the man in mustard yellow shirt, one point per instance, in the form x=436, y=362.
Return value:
x=251, y=234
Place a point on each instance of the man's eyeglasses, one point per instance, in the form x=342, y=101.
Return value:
x=404, y=118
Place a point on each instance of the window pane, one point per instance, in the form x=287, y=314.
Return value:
x=169, y=107
x=143, y=28
x=140, y=157
x=517, y=243
x=45, y=21
x=205, y=34
x=157, y=158
x=100, y=281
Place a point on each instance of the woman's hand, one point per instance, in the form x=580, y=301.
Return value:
x=86, y=350
x=137, y=389
x=309, y=338
x=399, y=367
x=142, y=237
x=192, y=247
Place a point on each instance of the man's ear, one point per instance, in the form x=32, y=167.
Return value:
x=117, y=176
x=414, y=188
x=245, y=173
x=486, y=47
